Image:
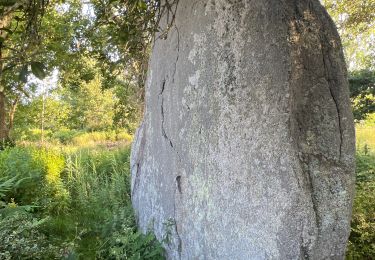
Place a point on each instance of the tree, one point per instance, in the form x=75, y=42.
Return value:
x=19, y=37
x=246, y=150
x=362, y=88
x=92, y=107
x=128, y=107
x=30, y=116
x=66, y=36
x=355, y=21
x=91, y=48
x=121, y=35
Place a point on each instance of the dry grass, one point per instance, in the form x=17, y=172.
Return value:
x=365, y=136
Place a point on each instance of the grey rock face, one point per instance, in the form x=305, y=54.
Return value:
x=246, y=150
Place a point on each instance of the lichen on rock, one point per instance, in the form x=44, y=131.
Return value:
x=247, y=141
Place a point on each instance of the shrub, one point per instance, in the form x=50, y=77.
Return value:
x=99, y=183
x=83, y=206
x=92, y=138
x=89, y=138
x=37, y=172
x=7, y=143
x=124, y=136
x=21, y=239
x=6, y=185
x=362, y=236
x=35, y=135
x=126, y=243
x=65, y=136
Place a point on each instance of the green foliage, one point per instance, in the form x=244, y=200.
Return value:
x=93, y=106
x=20, y=45
x=6, y=185
x=95, y=138
x=21, y=239
x=128, y=107
x=32, y=135
x=77, y=138
x=30, y=116
x=135, y=23
x=6, y=143
x=64, y=135
x=95, y=220
x=362, y=88
x=128, y=244
x=85, y=50
x=37, y=175
x=100, y=185
x=38, y=69
x=365, y=138
x=354, y=19
x=362, y=238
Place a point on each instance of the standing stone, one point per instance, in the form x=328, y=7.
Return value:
x=246, y=150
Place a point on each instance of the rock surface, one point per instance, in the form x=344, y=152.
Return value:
x=246, y=150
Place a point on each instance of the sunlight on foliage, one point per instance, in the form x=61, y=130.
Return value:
x=365, y=136
x=77, y=205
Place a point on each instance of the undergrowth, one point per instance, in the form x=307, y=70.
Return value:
x=58, y=204
x=73, y=202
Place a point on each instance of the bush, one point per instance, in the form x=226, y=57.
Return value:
x=89, y=138
x=99, y=182
x=362, y=236
x=37, y=177
x=65, y=136
x=7, y=143
x=101, y=214
x=124, y=136
x=92, y=138
x=21, y=239
x=34, y=135
x=126, y=243
x=78, y=206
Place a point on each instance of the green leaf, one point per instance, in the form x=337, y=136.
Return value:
x=38, y=70
x=142, y=5
x=7, y=2
x=23, y=74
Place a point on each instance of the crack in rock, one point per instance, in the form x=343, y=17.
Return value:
x=329, y=81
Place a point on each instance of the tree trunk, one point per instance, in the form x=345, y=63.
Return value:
x=247, y=146
x=4, y=131
x=12, y=112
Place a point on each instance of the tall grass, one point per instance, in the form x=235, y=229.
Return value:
x=95, y=219
x=93, y=138
x=362, y=237
x=73, y=201
x=365, y=137
x=99, y=177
